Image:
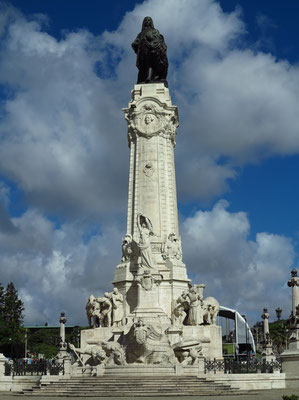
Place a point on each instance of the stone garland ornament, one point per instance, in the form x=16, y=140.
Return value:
x=151, y=118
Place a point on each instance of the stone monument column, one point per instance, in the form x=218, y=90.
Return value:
x=62, y=321
x=290, y=357
x=152, y=242
x=294, y=283
x=267, y=352
x=265, y=317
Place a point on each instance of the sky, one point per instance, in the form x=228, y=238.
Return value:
x=66, y=71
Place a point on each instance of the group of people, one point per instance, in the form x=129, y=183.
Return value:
x=105, y=311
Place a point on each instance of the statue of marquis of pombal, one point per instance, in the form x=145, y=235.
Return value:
x=154, y=315
x=151, y=54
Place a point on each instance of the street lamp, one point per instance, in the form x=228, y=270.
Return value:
x=246, y=335
x=278, y=313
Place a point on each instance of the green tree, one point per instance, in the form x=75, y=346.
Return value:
x=13, y=307
x=11, y=318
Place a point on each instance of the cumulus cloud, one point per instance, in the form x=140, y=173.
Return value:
x=56, y=269
x=63, y=143
x=242, y=273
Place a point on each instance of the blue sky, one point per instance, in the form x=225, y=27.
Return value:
x=66, y=70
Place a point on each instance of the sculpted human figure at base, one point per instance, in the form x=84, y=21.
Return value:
x=195, y=316
x=106, y=310
x=117, y=307
x=89, y=310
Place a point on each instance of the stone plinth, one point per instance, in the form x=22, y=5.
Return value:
x=290, y=360
x=209, y=335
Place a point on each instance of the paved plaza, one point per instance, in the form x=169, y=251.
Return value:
x=259, y=395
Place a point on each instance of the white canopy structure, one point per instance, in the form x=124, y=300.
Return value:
x=243, y=334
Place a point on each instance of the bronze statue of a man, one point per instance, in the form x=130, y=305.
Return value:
x=151, y=54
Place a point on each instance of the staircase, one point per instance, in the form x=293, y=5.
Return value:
x=131, y=386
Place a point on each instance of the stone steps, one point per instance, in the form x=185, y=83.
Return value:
x=130, y=386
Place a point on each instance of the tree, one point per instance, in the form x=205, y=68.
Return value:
x=2, y=294
x=13, y=306
x=11, y=318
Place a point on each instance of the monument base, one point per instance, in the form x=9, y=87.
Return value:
x=210, y=337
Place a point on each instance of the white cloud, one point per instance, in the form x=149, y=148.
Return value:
x=240, y=272
x=56, y=269
x=63, y=142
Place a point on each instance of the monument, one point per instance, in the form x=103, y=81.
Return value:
x=267, y=353
x=290, y=357
x=154, y=315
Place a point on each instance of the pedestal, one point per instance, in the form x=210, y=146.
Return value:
x=148, y=299
x=290, y=360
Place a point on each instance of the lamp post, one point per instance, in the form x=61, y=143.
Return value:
x=246, y=335
x=26, y=343
x=278, y=313
x=294, y=284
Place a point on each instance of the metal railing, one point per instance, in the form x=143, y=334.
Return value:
x=41, y=367
x=231, y=366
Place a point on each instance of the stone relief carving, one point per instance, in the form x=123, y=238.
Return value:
x=106, y=353
x=148, y=345
x=146, y=280
x=144, y=245
x=191, y=309
x=172, y=248
x=151, y=119
x=149, y=169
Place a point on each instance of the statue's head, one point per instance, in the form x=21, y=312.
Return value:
x=106, y=294
x=147, y=23
x=115, y=290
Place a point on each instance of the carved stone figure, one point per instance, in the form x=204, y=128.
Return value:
x=179, y=315
x=93, y=311
x=210, y=308
x=106, y=310
x=180, y=309
x=126, y=248
x=188, y=352
x=144, y=245
x=117, y=307
x=172, y=247
x=105, y=353
x=195, y=316
x=150, y=49
x=89, y=310
x=146, y=345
